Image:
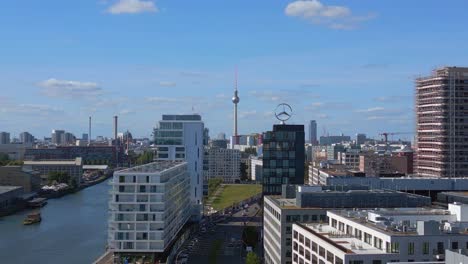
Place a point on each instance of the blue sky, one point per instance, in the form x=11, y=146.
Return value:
x=348, y=64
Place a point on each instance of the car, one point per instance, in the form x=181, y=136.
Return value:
x=244, y=214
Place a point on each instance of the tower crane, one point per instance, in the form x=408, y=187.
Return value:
x=386, y=134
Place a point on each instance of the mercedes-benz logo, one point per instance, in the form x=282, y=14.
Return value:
x=283, y=112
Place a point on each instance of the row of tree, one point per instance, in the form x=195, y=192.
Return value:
x=5, y=160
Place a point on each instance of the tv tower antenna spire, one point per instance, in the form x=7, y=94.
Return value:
x=235, y=100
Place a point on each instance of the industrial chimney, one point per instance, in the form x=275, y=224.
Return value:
x=89, y=132
x=115, y=128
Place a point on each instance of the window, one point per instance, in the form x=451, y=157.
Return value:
x=377, y=261
x=377, y=242
x=368, y=238
x=121, y=178
x=411, y=248
x=425, y=248
x=455, y=245
x=314, y=247
x=307, y=242
x=338, y=260
x=330, y=257
x=394, y=247
x=322, y=252
x=440, y=248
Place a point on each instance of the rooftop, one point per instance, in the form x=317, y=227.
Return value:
x=401, y=221
x=346, y=243
x=154, y=167
x=5, y=189
x=77, y=162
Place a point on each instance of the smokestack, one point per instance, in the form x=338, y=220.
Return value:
x=89, y=132
x=115, y=127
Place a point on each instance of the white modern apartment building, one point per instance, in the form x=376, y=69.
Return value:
x=180, y=137
x=256, y=168
x=222, y=163
x=149, y=205
x=382, y=236
x=309, y=204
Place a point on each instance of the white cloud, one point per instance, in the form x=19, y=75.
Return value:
x=69, y=89
x=132, y=7
x=167, y=84
x=335, y=17
x=126, y=112
x=30, y=109
x=161, y=100
x=370, y=110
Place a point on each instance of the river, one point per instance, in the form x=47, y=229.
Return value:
x=73, y=230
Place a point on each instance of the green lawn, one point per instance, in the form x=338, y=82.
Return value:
x=235, y=193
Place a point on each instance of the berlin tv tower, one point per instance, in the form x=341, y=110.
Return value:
x=235, y=100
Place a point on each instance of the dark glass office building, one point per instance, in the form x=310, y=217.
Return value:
x=283, y=157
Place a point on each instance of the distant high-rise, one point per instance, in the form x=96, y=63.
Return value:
x=360, y=139
x=26, y=137
x=4, y=138
x=84, y=136
x=313, y=132
x=180, y=137
x=57, y=136
x=283, y=157
x=442, y=123
x=329, y=140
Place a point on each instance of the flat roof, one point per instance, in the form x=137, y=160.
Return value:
x=5, y=189
x=154, y=167
x=347, y=243
x=77, y=161
x=458, y=194
x=95, y=167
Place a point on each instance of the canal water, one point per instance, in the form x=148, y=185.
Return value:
x=73, y=230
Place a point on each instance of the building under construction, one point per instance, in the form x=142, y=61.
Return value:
x=442, y=123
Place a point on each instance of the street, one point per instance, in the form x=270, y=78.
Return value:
x=219, y=240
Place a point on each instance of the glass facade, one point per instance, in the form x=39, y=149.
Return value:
x=283, y=157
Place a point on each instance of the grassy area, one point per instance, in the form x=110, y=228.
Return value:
x=215, y=251
x=235, y=193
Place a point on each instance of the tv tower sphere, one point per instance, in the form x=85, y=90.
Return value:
x=235, y=98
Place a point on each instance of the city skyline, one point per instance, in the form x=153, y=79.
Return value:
x=163, y=59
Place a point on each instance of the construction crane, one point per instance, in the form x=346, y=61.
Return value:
x=386, y=134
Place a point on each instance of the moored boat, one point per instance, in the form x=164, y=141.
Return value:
x=32, y=218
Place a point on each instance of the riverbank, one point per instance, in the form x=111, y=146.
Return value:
x=22, y=205
x=73, y=230
x=61, y=193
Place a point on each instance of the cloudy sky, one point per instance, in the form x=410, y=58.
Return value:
x=348, y=64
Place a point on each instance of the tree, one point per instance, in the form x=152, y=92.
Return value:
x=243, y=171
x=4, y=159
x=252, y=151
x=145, y=157
x=250, y=236
x=252, y=258
x=213, y=185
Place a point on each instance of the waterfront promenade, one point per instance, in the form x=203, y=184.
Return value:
x=73, y=230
